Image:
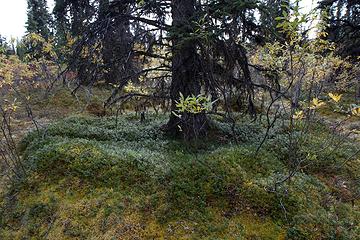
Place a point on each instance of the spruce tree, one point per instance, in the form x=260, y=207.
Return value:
x=39, y=19
x=343, y=25
x=199, y=47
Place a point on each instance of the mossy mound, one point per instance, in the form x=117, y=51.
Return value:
x=102, y=178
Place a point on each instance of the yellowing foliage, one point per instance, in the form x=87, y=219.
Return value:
x=356, y=111
x=298, y=115
x=316, y=103
x=335, y=97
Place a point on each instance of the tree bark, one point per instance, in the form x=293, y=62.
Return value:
x=185, y=72
x=117, y=43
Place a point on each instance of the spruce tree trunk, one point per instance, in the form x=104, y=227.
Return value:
x=117, y=43
x=185, y=72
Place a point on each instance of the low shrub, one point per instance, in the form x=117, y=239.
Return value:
x=107, y=172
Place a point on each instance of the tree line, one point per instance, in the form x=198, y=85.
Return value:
x=185, y=50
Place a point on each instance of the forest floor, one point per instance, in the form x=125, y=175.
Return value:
x=98, y=178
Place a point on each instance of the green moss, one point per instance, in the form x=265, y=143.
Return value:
x=91, y=178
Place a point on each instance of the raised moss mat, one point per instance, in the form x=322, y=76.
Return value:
x=93, y=179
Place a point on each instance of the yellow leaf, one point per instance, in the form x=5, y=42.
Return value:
x=356, y=111
x=298, y=115
x=335, y=97
x=316, y=103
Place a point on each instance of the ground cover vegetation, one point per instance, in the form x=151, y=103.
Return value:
x=181, y=119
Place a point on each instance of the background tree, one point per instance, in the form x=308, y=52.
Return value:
x=39, y=19
x=116, y=43
x=343, y=28
x=343, y=19
x=272, y=10
x=3, y=44
x=72, y=16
